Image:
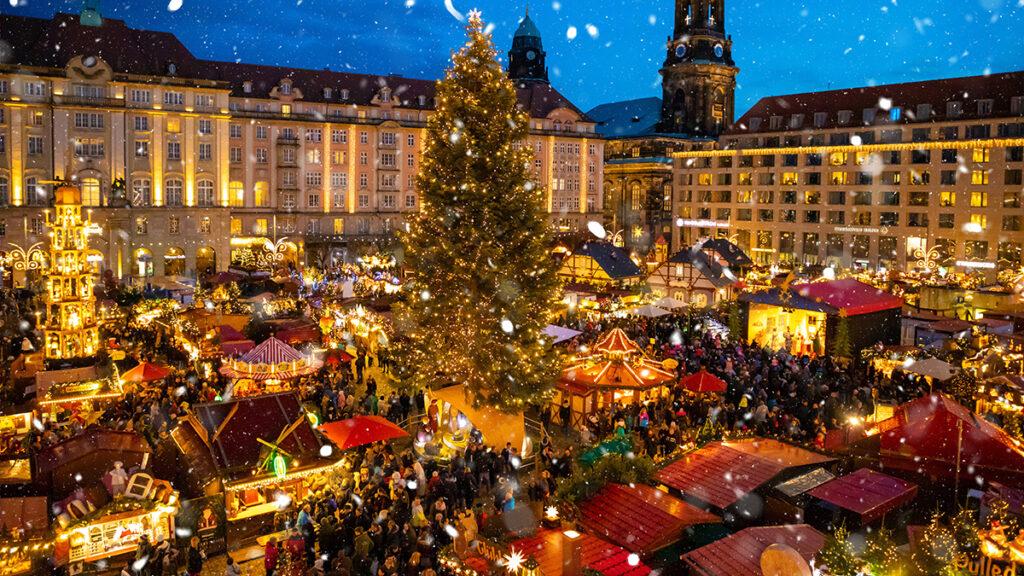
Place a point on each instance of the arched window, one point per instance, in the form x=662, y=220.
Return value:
x=90, y=192
x=142, y=192
x=5, y=191
x=173, y=190
x=635, y=197
x=205, y=189
x=236, y=194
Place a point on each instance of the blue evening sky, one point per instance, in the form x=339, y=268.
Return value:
x=616, y=50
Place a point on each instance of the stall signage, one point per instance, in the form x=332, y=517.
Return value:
x=684, y=223
x=986, y=566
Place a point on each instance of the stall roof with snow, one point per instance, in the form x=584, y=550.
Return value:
x=546, y=547
x=640, y=518
x=721, y=474
x=740, y=554
x=869, y=494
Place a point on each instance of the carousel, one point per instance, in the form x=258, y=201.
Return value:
x=617, y=371
x=268, y=369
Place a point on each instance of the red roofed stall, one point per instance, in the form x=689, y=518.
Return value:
x=806, y=316
x=703, y=382
x=868, y=494
x=740, y=553
x=547, y=548
x=722, y=474
x=925, y=435
x=360, y=431
x=640, y=518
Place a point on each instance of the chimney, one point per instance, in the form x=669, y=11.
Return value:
x=572, y=553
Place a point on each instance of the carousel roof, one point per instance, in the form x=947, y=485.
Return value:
x=615, y=366
x=272, y=359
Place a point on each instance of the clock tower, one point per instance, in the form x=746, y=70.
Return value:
x=526, y=59
x=699, y=74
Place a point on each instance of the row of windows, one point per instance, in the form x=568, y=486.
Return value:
x=869, y=116
x=974, y=223
x=1008, y=253
x=946, y=199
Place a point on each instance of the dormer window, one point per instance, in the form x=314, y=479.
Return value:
x=924, y=111
x=327, y=93
x=172, y=68
x=796, y=121
x=422, y=100
x=820, y=118
x=344, y=94
x=385, y=94
x=954, y=109
x=868, y=115
x=247, y=87
x=844, y=117
x=755, y=124
x=1017, y=105
x=984, y=107
x=775, y=122
x=286, y=87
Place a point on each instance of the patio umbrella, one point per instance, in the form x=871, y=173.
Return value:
x=338, y=356
x=360, y=431
x=146, y=372
x=703, y=381
x=648, y=311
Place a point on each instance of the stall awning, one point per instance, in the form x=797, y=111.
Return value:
x=740, y=553
x=546, y=548
x=867, y=493
x=497, y=427
x=703, y=381
x=560, y=334
x=640, y=518
x=146, y=372
x=933, y=368
x=648, y=311
x=360, y=431
x=849, y=295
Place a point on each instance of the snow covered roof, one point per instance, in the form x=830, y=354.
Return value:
x=627, y=118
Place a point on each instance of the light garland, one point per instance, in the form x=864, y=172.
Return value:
x=268, y=479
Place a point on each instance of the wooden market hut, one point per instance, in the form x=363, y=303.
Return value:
x=858, y=499
x=736, y=478
x=618, y=370
x=89, y=456
x=698, y=275
x=267, y=368
x=600, y=264
x=253, y=451
x=807, y=316
x=740, y=554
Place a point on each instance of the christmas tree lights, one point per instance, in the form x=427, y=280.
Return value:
x=71, y=327
x=483, y=286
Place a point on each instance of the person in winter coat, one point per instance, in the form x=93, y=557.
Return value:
x=270, y=556
x=194, y=558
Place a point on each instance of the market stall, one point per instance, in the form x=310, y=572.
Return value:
x=267, y=369
x=361, y=430
x=618, y=370
x=862, y=497
x=703, y=382
x=742, y=553
x=24, y=541
x=264, y=455
x=77, y=390
x=145, y=372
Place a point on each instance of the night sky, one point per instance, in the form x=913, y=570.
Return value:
x=781, y=46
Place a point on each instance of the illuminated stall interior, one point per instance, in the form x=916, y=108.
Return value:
x=779, y=328
x=617, y=371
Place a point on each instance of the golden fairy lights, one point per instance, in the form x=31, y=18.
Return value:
x=479, y=247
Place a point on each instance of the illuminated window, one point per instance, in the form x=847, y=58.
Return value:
x=259, y=227
x=746, y=179
x=90, y=192
x=979, y=177
x=838, y=178
x=947, y=199
x=743, y=196
x=236, y=194
x=979, y=199
x=261, y=194
x=979, y=220
x=236, y=226
x=838, y=158
x=981, y=154
x=286, y=108
x=174, y=125
x=339, y=226
x=789, y=178
x=141, y=225
x=205, y=225
x=704, y=179
x=813, y=197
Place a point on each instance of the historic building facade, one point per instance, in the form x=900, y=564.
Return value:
x=697, y=104
x=908, y=176
x=185, y=161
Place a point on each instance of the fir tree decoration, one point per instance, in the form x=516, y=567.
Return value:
x=963, y=386
x=838, y=554
x=936, y=552
x=735, y=327
x=841, y=339
x=965, y=530
x=483, y=285
x=881, y=555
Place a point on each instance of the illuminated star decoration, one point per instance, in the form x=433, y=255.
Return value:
x=514, y=561
x=475, y=14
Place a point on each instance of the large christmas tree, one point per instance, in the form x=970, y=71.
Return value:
x=483, y=286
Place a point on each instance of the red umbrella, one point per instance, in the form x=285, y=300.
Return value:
x=703, y=381
x=338, y=356
x=146, y=372
x=361, y=430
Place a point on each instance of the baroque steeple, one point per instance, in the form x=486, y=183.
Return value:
x=526, y=59
x=699, y=74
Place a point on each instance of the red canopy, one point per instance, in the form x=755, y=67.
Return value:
x=360, y=431
x=545, y=546
x=740, y=553
x=849, y=295
x=704, y=381
x=146, y=372
x=867, y=493
x=926, y=435
x=338, y=356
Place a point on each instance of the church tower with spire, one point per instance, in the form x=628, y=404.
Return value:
x=527, y=59
x=699, y=74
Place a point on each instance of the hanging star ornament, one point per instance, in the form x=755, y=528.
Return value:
x=476, y=14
